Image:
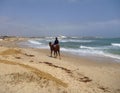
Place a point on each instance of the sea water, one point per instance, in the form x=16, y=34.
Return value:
x=81, y=46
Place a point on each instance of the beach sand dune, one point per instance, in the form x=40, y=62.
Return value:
x=26, y=70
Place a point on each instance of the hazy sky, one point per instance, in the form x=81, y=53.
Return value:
x=60, y=17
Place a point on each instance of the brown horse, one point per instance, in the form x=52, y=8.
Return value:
x=55, y=48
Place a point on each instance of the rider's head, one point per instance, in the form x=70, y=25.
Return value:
x=56, y=38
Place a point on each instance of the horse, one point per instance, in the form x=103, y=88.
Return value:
x=55, y=49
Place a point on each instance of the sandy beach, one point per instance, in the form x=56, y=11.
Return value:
x=29, y=70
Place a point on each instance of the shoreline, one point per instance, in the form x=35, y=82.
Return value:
x=35, y=70
x=96, y=57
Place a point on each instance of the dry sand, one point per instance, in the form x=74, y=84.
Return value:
x=27, y=70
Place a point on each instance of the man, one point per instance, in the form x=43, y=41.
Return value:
x=56, y=41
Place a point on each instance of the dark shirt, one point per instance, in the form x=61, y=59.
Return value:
x=56, y=42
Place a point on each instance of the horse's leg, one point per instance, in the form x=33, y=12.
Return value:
x=51, y=52
x=59, y=54
x=54, y=53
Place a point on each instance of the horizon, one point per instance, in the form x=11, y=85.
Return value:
x=85, y=36
x=36, y=18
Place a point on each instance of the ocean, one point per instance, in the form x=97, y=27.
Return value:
x=81, y=46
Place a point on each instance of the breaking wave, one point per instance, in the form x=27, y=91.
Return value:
x=95, y=47
x=34, y=42
x=82, y=41
x=116, y=44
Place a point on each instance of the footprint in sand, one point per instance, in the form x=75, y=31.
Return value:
x=18, y=57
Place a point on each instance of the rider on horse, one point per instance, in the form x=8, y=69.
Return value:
x=56, y=42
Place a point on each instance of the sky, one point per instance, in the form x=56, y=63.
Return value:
x=60, y=17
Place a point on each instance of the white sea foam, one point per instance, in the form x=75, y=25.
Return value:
x=90, y=52
x=116, y=44
x=85, y=47
x=74, y=37
x=82, y=51
x=111, y=55
x=82, y=41
x=34, y=42
x=49, y=37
